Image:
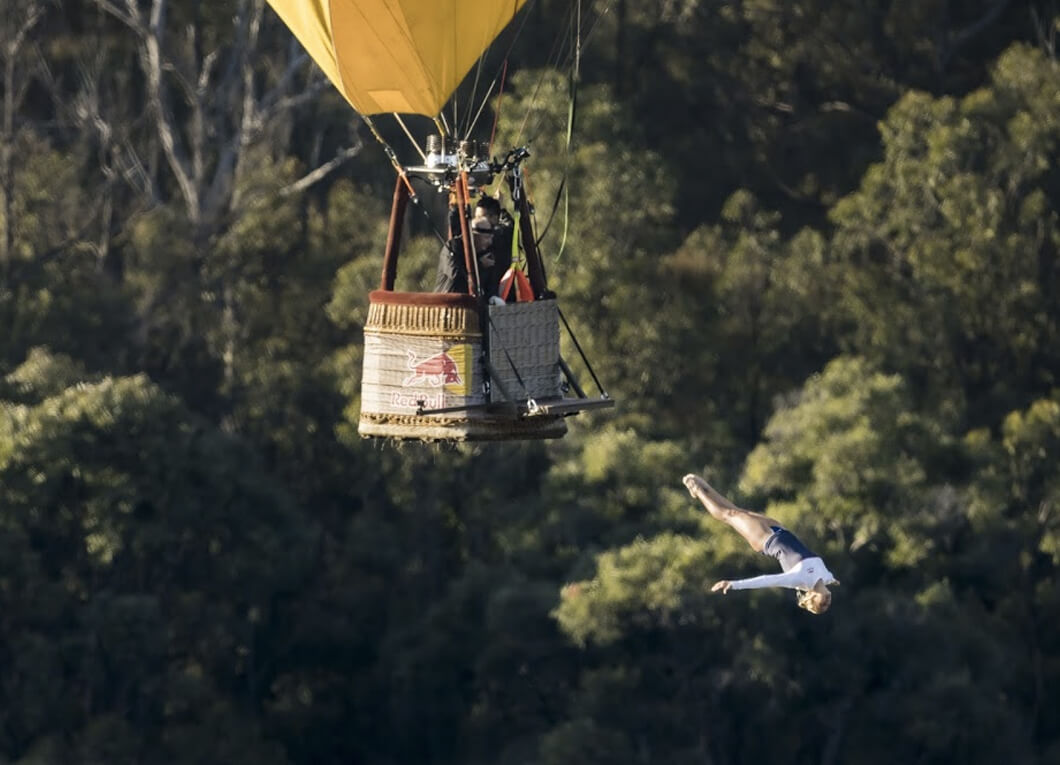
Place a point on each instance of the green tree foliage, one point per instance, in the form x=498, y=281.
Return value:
x=742, y=310
x=53, y=288
x=844, y=455
x=758, y=94
x=1012, y=508
x=203, y=562
x=949, y=249
x=899, y=542
x=147, y=555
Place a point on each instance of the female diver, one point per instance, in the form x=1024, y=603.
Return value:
x=804, y=571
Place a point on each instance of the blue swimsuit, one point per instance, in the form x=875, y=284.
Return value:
x=786, y=548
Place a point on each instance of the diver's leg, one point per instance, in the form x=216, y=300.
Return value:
x=753, y=527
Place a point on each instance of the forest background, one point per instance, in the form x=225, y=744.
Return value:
x=811, y=250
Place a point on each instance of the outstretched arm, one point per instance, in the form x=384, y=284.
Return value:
x=796, y=580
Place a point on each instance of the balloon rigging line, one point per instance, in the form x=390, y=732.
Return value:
x=561, y=54
x=501, y=70
x=553, y=55
x=412, y=140
x=497, y=111
x=482, y=106
x=592, y=28
x=577, y=44
x=469, y=124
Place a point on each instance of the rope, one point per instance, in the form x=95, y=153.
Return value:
x=482, y=106
x=581, y=352
x=430, y=221
x=574, y=76
x=552, y=214
x=571, y=112
x=469, y=123
x=497, y=112
x=500, y=74
x=552, y=62
x=412, y=140
x=404, y=176
x=392, y=157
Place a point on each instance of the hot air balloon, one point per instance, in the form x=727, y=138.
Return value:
x=463, y=365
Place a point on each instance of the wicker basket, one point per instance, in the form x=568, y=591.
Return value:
x=423, y=350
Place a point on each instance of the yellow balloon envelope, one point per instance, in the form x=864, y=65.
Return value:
x=405, y=56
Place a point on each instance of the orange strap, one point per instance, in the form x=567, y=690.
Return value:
x=515, y=277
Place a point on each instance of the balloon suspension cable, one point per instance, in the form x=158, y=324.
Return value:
x=412, y=140
x=533, y=211
x=403, y=175
x=555, y=56
x=571, y=112
x=582, y=353
x=469, y=124
x=497, y=111
x=441, y=124
x=552, y=213
x=430, y=222
x=563, y=191
x=393, y=158
x=456, y=113
x=499, y=75
x=592, y=27
x=482, y=106
x=521, y=188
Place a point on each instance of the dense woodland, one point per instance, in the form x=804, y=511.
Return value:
x=811, y=248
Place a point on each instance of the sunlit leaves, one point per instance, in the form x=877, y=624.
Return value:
x=947, y=243
x=643, y=585
x=843, y=453
x=137, y=534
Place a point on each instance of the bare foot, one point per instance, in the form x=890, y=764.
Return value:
x=696, y=486
x=705, y=493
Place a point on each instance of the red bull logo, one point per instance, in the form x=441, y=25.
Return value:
x=435, y=371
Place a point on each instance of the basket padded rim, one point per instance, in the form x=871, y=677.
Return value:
x=447, y=299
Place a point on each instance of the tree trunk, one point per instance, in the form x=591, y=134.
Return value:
x=7, y=182
x=13, y=41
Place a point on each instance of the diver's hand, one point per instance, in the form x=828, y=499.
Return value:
x=722, y=586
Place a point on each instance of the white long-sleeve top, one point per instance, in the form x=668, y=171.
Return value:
x=803, y=576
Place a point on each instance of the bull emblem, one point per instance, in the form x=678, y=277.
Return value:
x=435, y=371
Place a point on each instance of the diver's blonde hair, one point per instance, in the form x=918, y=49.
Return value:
x=814, y=601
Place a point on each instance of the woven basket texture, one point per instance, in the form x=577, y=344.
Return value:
x=524, y=349
x=427, y=355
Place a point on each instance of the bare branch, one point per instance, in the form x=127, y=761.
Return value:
x=164, y=121
x=1046, y=30
x=19, y=37
x=276, y=104
x=130, y=18
x=12, y=96
x=973, y=30
x=956, y=40
x=321, y=172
